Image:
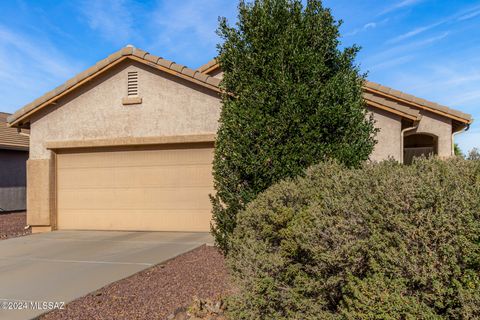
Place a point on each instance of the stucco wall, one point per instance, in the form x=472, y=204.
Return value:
x=170, y=106
x=439, y=126
x=388, y=138
x=12, y=179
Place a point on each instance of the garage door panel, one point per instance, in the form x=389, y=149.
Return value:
x=164, y=189
x=135, y=198
x=139, y=220
x=133, y=177
x=136, y=158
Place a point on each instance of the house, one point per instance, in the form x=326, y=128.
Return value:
x=128, y=143
x=13, y=162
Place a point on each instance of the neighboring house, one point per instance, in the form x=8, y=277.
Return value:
x=128, y=143
x=13, y=163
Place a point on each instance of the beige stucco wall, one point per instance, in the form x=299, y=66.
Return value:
x=439, y=126
x=388, y=138
x=40, y=195
x=170, y=106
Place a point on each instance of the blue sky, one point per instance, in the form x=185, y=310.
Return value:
x=429, y=48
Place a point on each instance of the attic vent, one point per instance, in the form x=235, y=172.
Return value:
x=132, y=86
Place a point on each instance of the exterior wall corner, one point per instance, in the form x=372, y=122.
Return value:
x=40, y=192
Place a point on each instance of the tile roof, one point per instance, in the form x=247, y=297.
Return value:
x=376, y=88
x=391, y=104
x=124, y=53
x=210, y=64
x=9, y=137
x=408, y=98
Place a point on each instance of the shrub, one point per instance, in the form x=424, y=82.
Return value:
x=384, y=241
x=294, y=98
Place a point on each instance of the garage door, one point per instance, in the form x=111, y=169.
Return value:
x=158, y=188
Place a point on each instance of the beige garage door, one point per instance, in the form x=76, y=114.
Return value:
x=162, y=188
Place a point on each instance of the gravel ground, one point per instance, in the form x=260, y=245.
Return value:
x=154, y=293
x=13, y=225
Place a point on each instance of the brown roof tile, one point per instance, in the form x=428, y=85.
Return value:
x=201, y=76
x=208, y=65
x=126, y=51
x=165, y=63
x=391, y=105
x=189, y=72
x=139, y=53
x=152, y=58
x=9, y=137
x=177, y=67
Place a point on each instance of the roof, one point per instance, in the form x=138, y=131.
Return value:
x=209, y=66
x=212, y=64
x=376, y=95
x=128, y=52
x=382, y=103
x=9, y=137
x=379, y=89
x=381, y=96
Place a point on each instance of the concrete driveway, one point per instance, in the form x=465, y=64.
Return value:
x=60, y=266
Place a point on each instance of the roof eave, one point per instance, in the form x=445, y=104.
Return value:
x=210, y=66
x=409, y=116
x=439, y=112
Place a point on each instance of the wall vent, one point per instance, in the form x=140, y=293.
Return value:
x=132, y=85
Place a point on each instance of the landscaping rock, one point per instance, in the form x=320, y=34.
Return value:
x=201, y=309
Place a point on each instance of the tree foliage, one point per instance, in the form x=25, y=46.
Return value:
x=457, y=151
x=474, y=154
x=292, y=98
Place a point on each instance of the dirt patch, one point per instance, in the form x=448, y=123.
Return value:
x=13, y=225
x=154, y=293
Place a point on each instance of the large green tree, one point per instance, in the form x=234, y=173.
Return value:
x=292, y=98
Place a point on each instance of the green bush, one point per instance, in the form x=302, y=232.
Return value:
x=294, y=98
x=384, y=241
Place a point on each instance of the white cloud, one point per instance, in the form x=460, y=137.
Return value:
x=111, y=18
x=415, y=32
x=400, y=5
x=388, y=63
x=472, y=14
x=370, y=25
x=458, y=16
x=397, y=53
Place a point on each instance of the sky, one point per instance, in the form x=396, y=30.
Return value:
x=428, y=48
